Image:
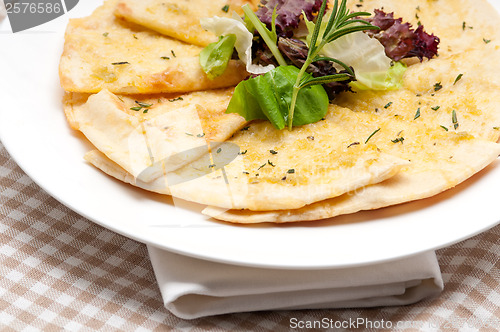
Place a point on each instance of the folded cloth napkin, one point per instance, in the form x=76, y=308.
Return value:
x=193, y=288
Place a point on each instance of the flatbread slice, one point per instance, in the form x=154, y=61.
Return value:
x=180, y=19
x=436, y=90
x=439, y=161
x=256, y=168
x=103, y=52
x=102, y=162
x=138, y=132
x=460, y=24
x=446, y=120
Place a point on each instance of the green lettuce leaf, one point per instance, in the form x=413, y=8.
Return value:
x=373, y=68
x=223, y=26
x=268, y=97
x=215, y=57
x=391, y=79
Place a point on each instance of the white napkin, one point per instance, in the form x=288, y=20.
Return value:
x=193, y=288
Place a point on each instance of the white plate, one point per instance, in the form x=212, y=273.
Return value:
x=35, y=132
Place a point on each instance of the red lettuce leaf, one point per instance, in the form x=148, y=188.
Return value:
x=400, y=40
x=288, y=12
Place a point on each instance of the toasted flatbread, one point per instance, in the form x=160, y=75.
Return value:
x=180, y=19
x=267, y=174
x=104, y=52
x=433, y=169
x=136, y=137
x=417, y=123
x=373, y=149
x=460, y=24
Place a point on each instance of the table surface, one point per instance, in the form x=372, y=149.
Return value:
x=61, y=271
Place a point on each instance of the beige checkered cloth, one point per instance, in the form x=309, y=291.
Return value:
x=60, y=271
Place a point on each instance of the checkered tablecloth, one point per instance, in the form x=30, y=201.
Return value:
x=60, y=271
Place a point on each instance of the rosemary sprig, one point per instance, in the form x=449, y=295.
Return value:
x=341, y=23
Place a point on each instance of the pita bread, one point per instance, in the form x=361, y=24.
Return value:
x=432, y=170
x=450, y=155
x=102, y=162
x=373, y=149
x=103, y=52
x=460, y=24
x=179, y=19
x=136, y=139
x=259, y=178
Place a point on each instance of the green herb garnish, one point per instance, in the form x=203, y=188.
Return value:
x=444, y=128
x=291, y=171
x=372, y=134
x=273, y=152
x=454, y=119
x=175, y=99
x=140, y=106
x=120, y=63
x=459, y=77
x=398, y=140
x=225, y=9
x=435, y=108
x=388, y=104
x=438, y=86
x=143, y=104
x=417, y=115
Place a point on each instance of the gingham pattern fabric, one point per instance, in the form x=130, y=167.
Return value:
x=60, y=271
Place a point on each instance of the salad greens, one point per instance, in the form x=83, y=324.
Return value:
x=270, y=37
x=269, y=96
x=294, y=77
x=215, y=57
x=341, y=23
x=400, y=40
x=288, y=13
x=222, y=26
